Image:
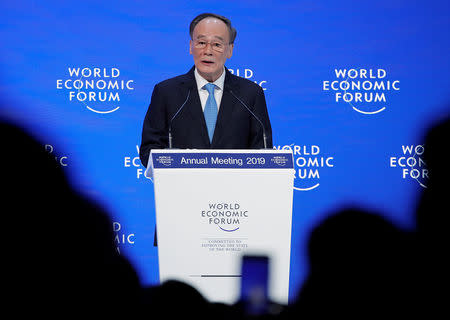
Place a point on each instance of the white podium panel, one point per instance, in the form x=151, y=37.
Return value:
x=213, y=207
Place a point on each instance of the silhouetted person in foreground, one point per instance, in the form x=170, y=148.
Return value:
x=432, y=223
x=434, y=205
x=360, y=267
x=177, y=300
x=363, y=267
x=58, y=255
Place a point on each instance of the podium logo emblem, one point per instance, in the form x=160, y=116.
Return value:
x=164, y=160
x=280, y=160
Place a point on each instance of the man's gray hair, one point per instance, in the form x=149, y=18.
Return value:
x=231, y=30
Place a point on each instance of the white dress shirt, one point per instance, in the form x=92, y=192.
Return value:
x=203, y=93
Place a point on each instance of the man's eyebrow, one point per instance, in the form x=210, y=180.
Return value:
x=203, y=36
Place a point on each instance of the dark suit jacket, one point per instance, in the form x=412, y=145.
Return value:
x=235, y=128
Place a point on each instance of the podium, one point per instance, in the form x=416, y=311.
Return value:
x=213, y=207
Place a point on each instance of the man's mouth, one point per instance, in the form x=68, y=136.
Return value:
x=207, y=62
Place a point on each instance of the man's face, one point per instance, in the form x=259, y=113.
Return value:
x=210, y=62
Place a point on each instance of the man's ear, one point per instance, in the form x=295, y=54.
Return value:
x=190, y=46
x=230, y=51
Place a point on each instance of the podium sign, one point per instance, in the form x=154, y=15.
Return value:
x=213, y=207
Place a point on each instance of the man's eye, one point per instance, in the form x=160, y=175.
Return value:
x=217, y=45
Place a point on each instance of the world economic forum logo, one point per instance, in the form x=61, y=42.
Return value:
x=309, y=165
x=122, y=238
x=134, y=162
x=365, y=90
x=247, y=73
x=99, y=90
x=227, y=217
x=411, y=164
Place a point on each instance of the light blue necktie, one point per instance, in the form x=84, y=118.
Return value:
x=210, y=110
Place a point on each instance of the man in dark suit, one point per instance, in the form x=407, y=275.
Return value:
x=208, y=107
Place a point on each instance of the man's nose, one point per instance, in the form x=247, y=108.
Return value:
x=208, y=48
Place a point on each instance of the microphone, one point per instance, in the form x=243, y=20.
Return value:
x=174, y=116
x=254, y=116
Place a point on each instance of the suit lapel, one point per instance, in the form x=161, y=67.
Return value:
x=194, y=107
x=227, y=105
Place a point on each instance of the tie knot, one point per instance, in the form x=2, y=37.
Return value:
x=210, y=87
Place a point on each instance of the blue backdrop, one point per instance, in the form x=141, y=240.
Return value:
x=350, y=87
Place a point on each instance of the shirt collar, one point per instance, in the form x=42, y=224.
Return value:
x=202, y=81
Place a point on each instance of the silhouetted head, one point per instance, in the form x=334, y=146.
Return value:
x=349, y=240
x=175, y=299
x=61, y=255
x=434, y=204
x=357, y=262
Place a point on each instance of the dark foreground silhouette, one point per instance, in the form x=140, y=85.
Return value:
x=58, y=252
x=59, y=257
